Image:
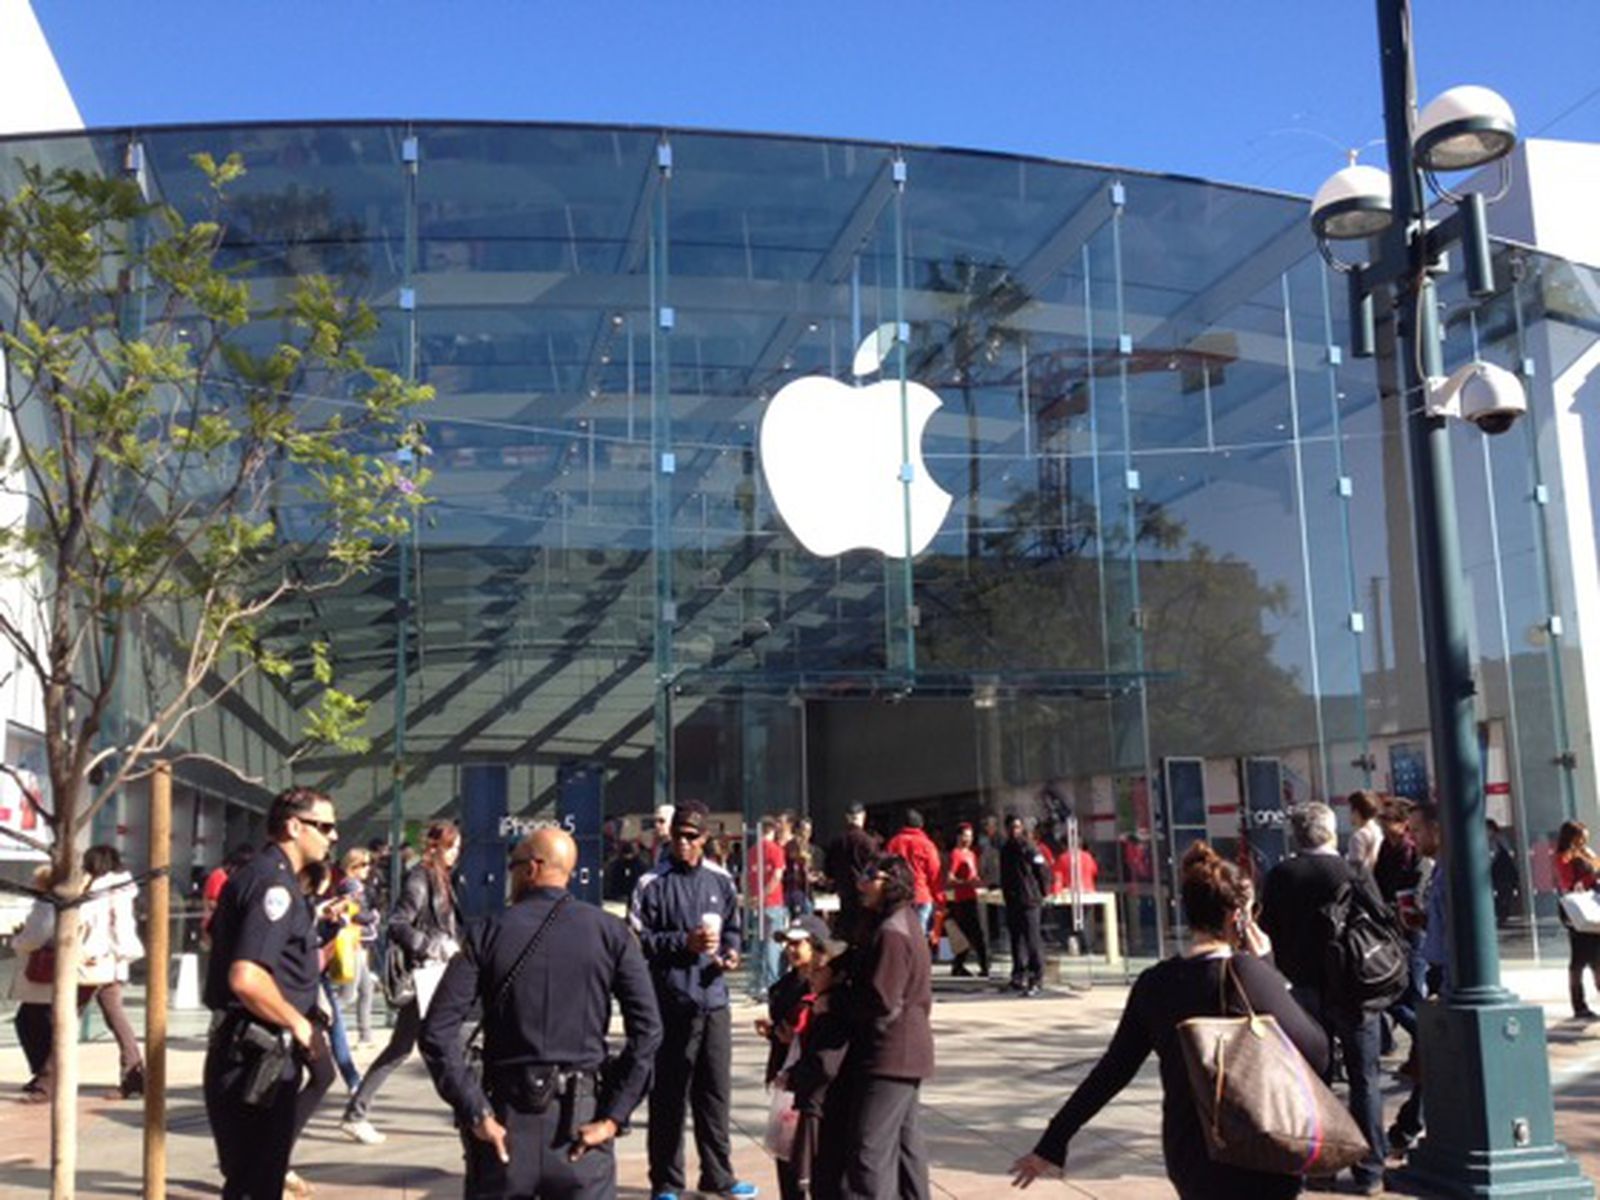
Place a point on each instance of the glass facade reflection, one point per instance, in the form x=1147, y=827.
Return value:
x=1175, y=589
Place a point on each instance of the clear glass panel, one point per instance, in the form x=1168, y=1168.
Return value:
x=1177, y=568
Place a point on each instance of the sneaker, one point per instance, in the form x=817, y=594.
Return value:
x=361, y=1130
x=960, y=972
x=741, y=1191
x=663, y=1196
x=293, y=1185
x=1583, y=1014
x=132, y=1083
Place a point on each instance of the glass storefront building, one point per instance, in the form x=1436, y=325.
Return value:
x=1174, y=589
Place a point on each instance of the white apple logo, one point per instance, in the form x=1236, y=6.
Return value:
x=831, y=455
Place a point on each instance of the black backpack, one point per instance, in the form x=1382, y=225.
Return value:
x=1366, y=963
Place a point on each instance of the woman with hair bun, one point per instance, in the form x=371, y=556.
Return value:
x=1218, y=901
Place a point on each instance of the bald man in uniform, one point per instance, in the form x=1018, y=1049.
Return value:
x=541, y=1122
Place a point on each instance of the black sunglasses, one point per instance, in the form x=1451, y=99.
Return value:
x=325, y=828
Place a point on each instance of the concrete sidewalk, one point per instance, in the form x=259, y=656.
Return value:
x=1004, y=1066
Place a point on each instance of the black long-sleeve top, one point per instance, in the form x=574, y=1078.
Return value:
x=559, y=1007
x=1167, y=993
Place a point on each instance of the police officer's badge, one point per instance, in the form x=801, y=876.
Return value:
x=276, y=903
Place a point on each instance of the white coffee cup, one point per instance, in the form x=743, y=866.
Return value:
x=711, y=922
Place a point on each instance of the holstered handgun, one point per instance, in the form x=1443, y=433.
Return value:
x=266, y=1054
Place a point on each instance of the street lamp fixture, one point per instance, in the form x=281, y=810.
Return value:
x=1354, y=203
x=1486, y=1072
x=1463, y=129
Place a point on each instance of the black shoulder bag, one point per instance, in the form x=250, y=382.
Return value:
x=475, y=1040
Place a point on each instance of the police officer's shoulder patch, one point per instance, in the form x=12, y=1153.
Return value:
x=276, y=902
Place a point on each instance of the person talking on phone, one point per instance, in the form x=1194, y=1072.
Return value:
x=542, y=1120
x=686, y=913
x=261, y=987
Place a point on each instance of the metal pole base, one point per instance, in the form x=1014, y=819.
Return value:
x=1489, y=1117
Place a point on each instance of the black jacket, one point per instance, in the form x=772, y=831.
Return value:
x=559, y=1005
x=669, y=902
x=785, y=999
x=846, y=860
x=1024, y=874
x=1294, y=892
x=423, y=918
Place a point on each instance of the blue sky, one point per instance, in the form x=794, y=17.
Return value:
x=1259, y=92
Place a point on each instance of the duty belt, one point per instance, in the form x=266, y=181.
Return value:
x=534, y=1087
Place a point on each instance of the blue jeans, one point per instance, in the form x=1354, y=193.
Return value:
x=1358, y=1037
x=773, y=920
x=925, y=915
x=338, y=1041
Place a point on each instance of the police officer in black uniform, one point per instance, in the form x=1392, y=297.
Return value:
x=541, y=1122
x=261, y=987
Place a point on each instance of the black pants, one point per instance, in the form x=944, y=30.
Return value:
x=253, y=1141
x=970, y=921
x=1583, y=955
x=1027, y=945
x=319, y=1079
x=883, y=1154
x=402, y=1041
x=34, y=1036
x=694, y=1069
x=539, y=1167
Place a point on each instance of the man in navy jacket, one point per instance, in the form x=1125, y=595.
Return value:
x=686, y=913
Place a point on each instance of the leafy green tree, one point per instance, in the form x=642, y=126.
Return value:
x=193, y=449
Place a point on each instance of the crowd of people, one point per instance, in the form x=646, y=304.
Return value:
x=302, y=940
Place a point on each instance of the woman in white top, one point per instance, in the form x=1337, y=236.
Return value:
x=110, y=943
x=32, y=1019
x=1366, y=837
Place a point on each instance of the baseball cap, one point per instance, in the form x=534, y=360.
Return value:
x=803, y=927
x=813, y=929
x=690, y=817
x=855, y=807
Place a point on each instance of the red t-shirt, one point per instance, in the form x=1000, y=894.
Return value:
x=214, y=884
x=917, y=848
x=1088, y=870
x=964, y=875
x=1574, y=874
x=771, y=854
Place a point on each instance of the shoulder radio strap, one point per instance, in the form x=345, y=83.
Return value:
x=501, y=992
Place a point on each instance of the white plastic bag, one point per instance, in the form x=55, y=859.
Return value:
x=782, y=1121
x=1582, y=910
x=427, y=976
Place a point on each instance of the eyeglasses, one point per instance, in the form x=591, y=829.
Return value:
x=325, y=828
x=686, y=835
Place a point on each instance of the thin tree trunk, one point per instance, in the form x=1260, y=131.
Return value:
x=64, y=1050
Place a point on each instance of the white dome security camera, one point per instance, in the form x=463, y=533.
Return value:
x=1491, y=397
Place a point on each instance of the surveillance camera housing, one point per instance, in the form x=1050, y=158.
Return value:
x=1490, y=397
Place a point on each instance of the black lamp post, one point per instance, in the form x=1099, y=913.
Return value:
x=1489, y=1114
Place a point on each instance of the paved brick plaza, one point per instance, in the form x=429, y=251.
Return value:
x=1004, y=1064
